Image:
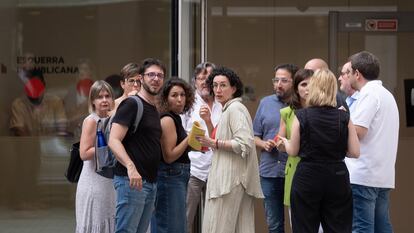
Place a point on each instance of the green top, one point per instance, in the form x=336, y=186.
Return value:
x=288, y=114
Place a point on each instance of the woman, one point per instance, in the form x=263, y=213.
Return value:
x=130, y=83
x=322, y=136
x=95, y=194
x=233, y=181
x=176, y=97
x=287, y=114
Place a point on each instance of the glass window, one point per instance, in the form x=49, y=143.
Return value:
x=52, y=52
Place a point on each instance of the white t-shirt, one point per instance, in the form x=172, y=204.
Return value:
x=200, y=162
x=377, y=111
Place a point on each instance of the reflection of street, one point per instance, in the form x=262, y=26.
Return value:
x=54, y=157
x=53, y=220
x=35, y=167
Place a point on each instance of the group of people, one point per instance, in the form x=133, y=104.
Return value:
x=158, y=178
x=340, y=163
x=302, y=132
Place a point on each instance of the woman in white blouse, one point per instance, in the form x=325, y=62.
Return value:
x=233, y=181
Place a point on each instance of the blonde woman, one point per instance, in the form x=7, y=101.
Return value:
x=322, y=135
x=95, y=194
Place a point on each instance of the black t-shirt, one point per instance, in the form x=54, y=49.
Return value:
x=323, y=133
x=143, y=146
x=181, y=135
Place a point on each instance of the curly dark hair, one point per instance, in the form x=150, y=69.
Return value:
x=233, y=78
x=166, y=88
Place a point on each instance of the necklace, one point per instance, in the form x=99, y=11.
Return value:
x=146, y=99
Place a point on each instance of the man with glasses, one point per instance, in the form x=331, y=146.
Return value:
x=200, y=161
x=138, y=153
x=272, y=162
x=130, y=82
x=345, y=87
x=376, y=121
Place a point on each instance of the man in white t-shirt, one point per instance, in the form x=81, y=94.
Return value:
x=200, y=161
x=376, y=120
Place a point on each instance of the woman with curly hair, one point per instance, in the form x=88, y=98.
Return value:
x=233, y=181
x=176, y=97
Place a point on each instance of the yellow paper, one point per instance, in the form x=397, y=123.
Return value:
x=196, y=131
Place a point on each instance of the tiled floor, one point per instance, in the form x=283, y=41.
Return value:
x=57, y=220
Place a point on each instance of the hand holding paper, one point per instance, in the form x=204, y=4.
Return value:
x=196, y=131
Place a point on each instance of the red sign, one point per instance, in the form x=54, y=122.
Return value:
x=383, y=25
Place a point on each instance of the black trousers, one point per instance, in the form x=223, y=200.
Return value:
x=321, y=194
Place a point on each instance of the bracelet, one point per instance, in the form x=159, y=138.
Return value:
x=217, y=144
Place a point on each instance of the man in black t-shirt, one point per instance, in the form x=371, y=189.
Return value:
x=138, y=153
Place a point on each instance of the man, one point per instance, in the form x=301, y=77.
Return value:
x=76, y=98
x=200, y=161
x=130, y=82
x=345, y=87
x=272, y=163
x=37, y=113
x=376, y=120
x=315, y=64
x=138, y=154
x=34, y=114
x=318, y=63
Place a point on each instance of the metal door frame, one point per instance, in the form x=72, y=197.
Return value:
x=354, y=21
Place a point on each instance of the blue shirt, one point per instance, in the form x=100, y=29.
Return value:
x=266, y=126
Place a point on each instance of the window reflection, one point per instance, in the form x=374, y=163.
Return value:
x=45, y=90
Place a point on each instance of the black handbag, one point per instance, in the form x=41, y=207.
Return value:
x=75, y=164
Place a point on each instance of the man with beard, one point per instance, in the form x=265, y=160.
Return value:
x=272, y=162
x=138, y=153
x=204, y=105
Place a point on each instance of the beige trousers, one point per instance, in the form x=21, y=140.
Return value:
x=231, y=213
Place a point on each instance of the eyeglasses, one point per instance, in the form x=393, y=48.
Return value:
x=283, y=80
x=201, y=78
x=131, y=82
x=152, y=75
x=345, y=73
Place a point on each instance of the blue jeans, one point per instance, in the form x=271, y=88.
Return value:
x=170, y=207
x=371, y=210
x=133, y=207
x=273, y=190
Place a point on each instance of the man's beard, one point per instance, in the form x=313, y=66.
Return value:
x=148, y=89
x=284, y=96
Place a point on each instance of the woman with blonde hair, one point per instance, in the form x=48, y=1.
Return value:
x=95, y=194
x=322, y=135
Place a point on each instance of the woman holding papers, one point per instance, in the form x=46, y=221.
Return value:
x=233, y=181
x=175, y=97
